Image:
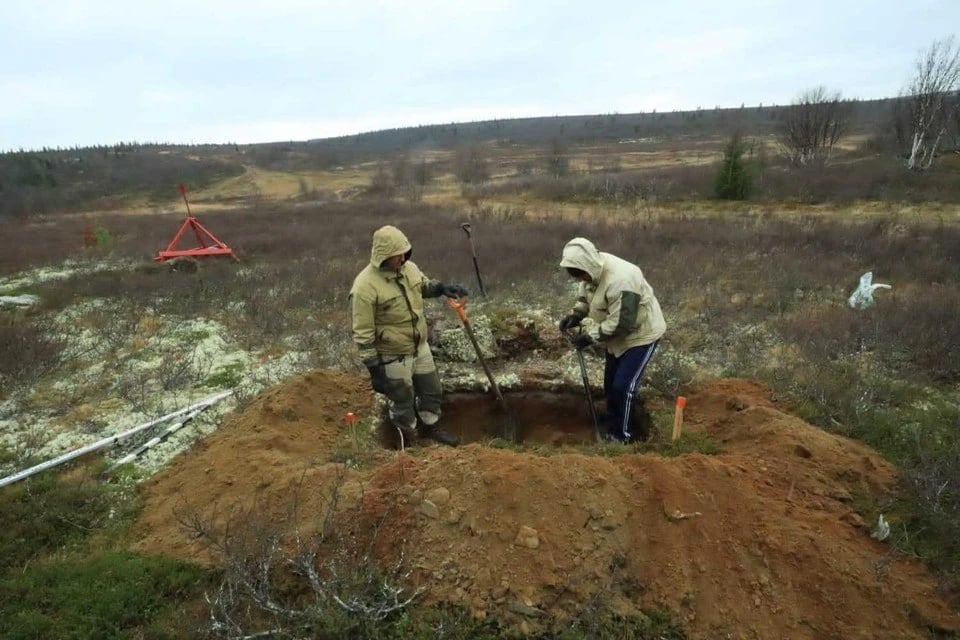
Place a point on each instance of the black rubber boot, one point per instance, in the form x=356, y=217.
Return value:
x=439, y=435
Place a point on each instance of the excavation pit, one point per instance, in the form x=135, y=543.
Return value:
x=554, y=418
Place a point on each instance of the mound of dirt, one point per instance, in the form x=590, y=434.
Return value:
x=280, y=440
x=758, y=541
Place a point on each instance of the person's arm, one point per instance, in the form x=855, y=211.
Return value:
x=362, y=305
x=623, y=308
x=436, y=288
x=431, y=288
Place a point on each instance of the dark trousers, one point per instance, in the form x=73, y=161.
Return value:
x=621, y=379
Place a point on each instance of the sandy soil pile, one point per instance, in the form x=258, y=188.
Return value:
x=759, y=541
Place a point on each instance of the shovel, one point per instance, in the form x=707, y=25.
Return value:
x=476, y=267
x=460, y=306
x=586, y=389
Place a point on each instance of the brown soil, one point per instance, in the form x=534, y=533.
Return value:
x=758, y=541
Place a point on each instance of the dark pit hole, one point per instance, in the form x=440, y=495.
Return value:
x=554, y=418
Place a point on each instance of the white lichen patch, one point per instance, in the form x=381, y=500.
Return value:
x=462, y=378
x=593, y=364
x=66, y=269
x=536, y=316
x=455, y=344
x=151, y=367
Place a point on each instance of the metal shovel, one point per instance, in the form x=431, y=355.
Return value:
x=460, y=306
x=586, y=389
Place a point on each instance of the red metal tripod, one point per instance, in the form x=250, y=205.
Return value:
x=209, y=244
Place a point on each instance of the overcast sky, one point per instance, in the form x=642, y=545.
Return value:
x=105, y=71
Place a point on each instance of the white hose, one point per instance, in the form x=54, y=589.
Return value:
x=99, y=444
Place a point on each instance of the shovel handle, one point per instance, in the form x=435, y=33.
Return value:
x=570, y=335
x=460, y=306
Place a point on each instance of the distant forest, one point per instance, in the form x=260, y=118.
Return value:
x=701, y=123
x=105, y=177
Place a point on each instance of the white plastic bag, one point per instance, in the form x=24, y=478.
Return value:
x=863, y=296
x=882, y=531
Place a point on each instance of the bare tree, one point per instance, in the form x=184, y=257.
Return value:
x=381, y=183
x=812, y=125
x=410, y=177
x=471, y=165
x=929, y=99
x=558, y=159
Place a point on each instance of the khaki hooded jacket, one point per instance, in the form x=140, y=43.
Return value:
x=617, y=297
x=387, y=306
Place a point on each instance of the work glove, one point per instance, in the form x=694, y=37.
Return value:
x=570, y=321
x=582, y=340
x=378, y=373
x=454, y=290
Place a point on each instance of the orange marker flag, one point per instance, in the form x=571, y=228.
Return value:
x=351, y=419
x=678, y=417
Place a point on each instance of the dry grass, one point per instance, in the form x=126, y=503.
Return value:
x=752, y=289
x=746, y=293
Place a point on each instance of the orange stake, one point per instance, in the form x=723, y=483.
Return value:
x=678, y=418
x=351, y=419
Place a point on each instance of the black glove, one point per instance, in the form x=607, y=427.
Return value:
x=570, y=321
x=454, y=291
x=582, y=340
x=378, y=373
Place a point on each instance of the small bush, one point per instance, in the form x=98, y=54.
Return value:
x=226, y=377
x=734, y=180
x=28, y=350
x=913, y=332
x=933, y=487
x=103, y=237
x=114, y=595
x=46, y=512
x=271, y=563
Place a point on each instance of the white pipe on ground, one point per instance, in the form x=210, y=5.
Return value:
x=108, y=441
x=176, y=426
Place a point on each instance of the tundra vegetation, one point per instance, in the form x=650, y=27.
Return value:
x=752, y=237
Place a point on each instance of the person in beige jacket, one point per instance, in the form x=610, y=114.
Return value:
x=629, y=323
x=390, y=331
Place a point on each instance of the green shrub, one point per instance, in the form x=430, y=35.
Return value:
x=29, y=349
x=103, y=237
x=45, y=513
x=226, y=377
x=113, y=595
x=688, y=442
x=734, y=180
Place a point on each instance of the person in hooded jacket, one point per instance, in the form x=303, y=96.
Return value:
x=390, y=331
x=629, y=324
